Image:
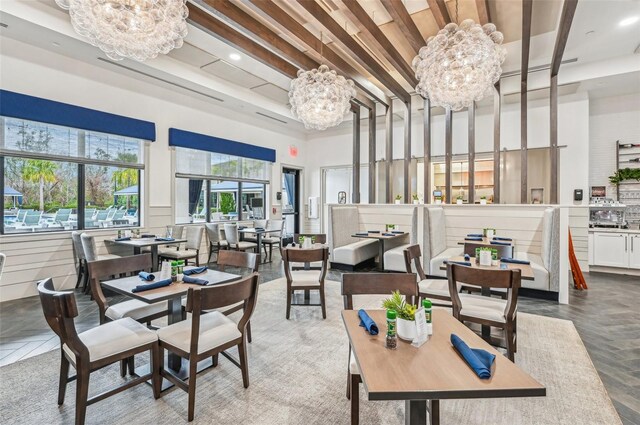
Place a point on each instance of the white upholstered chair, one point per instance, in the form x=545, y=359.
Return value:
x=191, y=247
x=233, y=239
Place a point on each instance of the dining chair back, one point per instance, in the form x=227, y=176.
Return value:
x=503, y=250
x=240, y=259
x=176, y=231
x=95, y=348
x=308, y=279
x=212, y=333
x=231, y=233
x=194, y=237
x=413, y=261
x=76, y=237
x=382, y=284
x=216, y=243
x=3, y=259
x=487, y=311
x=115, y=267
x=89, y=247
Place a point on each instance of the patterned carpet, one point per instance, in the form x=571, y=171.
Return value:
x=298, y=374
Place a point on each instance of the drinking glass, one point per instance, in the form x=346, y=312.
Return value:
x=169, y=232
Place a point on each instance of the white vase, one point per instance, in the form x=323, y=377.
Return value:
x=483, y=202
x=406, y=329
x=416, y=202
x=398, y=201
x=438, y=201
x=459, y=201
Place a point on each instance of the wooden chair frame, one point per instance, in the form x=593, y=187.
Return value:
x=413, y=255
x=209, y=298
x=306, y=256
x=487, y=279
x=371, y=284
x=320, y=238
x=59, y=310
x=241, y=259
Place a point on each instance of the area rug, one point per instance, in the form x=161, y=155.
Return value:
x=298, y=375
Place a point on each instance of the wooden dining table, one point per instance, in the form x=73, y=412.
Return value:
x=172, y=294
x=259, y=234
x=382, y=238
x=435, y=371
x=526, y=272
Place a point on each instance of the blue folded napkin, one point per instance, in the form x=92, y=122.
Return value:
x=514, y=261
x=388, y=234
x=127, y=238
x=462, y=263
x=259, y=228
x=187, y=279
x=500, y=243
x=195, y=270
x=153, y=285
x=467, y=257
x=165, y=239
x=479, y=360
x=473, y=238
x=362, y=233
x=397, y=232
x=475, y=235
x=367, y=322
x=147, y=235
x=498, y=238
x=146, y=276
x=373, y=231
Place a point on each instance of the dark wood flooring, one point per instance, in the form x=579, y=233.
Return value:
x=607, y=317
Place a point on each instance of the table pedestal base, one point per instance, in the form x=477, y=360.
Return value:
x=415, y=412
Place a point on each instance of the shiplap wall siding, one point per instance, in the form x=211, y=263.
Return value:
x=31, y=258
x=579, y=226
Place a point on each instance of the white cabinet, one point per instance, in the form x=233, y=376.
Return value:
x=634, y=251
x=611, y=249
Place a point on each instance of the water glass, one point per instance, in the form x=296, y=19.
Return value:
x=169, y=232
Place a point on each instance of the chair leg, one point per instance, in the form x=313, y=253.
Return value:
x=156, y=365
x=123, y=367
x=214, y=360
x=80, y=273
x=82, y=392
x=242, y=352
x=355, y=399
x=322, y=303
x=348, y=383
x=193, y=370
x=270, y=252
x=510, y=337
x=249, y=331
x=288, y=302
x=64, y=377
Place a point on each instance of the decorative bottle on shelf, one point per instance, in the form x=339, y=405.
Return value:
x=426, y=304
x=392, y=338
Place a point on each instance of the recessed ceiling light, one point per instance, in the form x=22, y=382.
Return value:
x=629, y=21
x=235, y=56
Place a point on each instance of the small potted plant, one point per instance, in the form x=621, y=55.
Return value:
x=483, y=200
x=415, y=198
x=398, y=199
x=406, y=315
x=390, y=227
x=459, y=200
x=438, y=200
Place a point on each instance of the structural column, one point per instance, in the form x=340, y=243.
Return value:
x=427, y=151
x=388, y=152
x=372, y=155
x=497, y=103
x=407, y=152
x=448, y=148
x=472, y=152
x=355, y=190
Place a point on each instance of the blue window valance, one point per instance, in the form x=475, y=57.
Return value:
x=187, y=139
x=31, y=108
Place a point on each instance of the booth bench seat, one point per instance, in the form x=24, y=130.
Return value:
x=355, y=253
x=437, y=261
x=540, y=273
x=394, y=259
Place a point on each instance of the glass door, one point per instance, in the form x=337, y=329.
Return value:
x=291, y=200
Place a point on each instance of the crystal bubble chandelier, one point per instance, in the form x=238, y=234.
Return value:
x=460, y=64
x=136, y=29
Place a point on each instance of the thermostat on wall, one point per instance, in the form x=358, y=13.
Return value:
x=577, y=195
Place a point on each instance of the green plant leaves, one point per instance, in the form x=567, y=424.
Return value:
x=625, y=174
x=397, y=302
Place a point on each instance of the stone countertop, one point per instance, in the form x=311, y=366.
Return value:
x=612, y=230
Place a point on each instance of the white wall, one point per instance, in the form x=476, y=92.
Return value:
x=610, y=119
x=34, y=71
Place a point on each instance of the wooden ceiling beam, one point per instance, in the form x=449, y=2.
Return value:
x=230, y=12
x=568, y=11
x=296, y=30
x=241, y=42
x=483, y=11
x=401, y=17
x=342, y=36
x=440, y=13
x=374, y=36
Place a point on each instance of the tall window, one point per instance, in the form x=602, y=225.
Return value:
x=58, y=178
x=216, y=187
